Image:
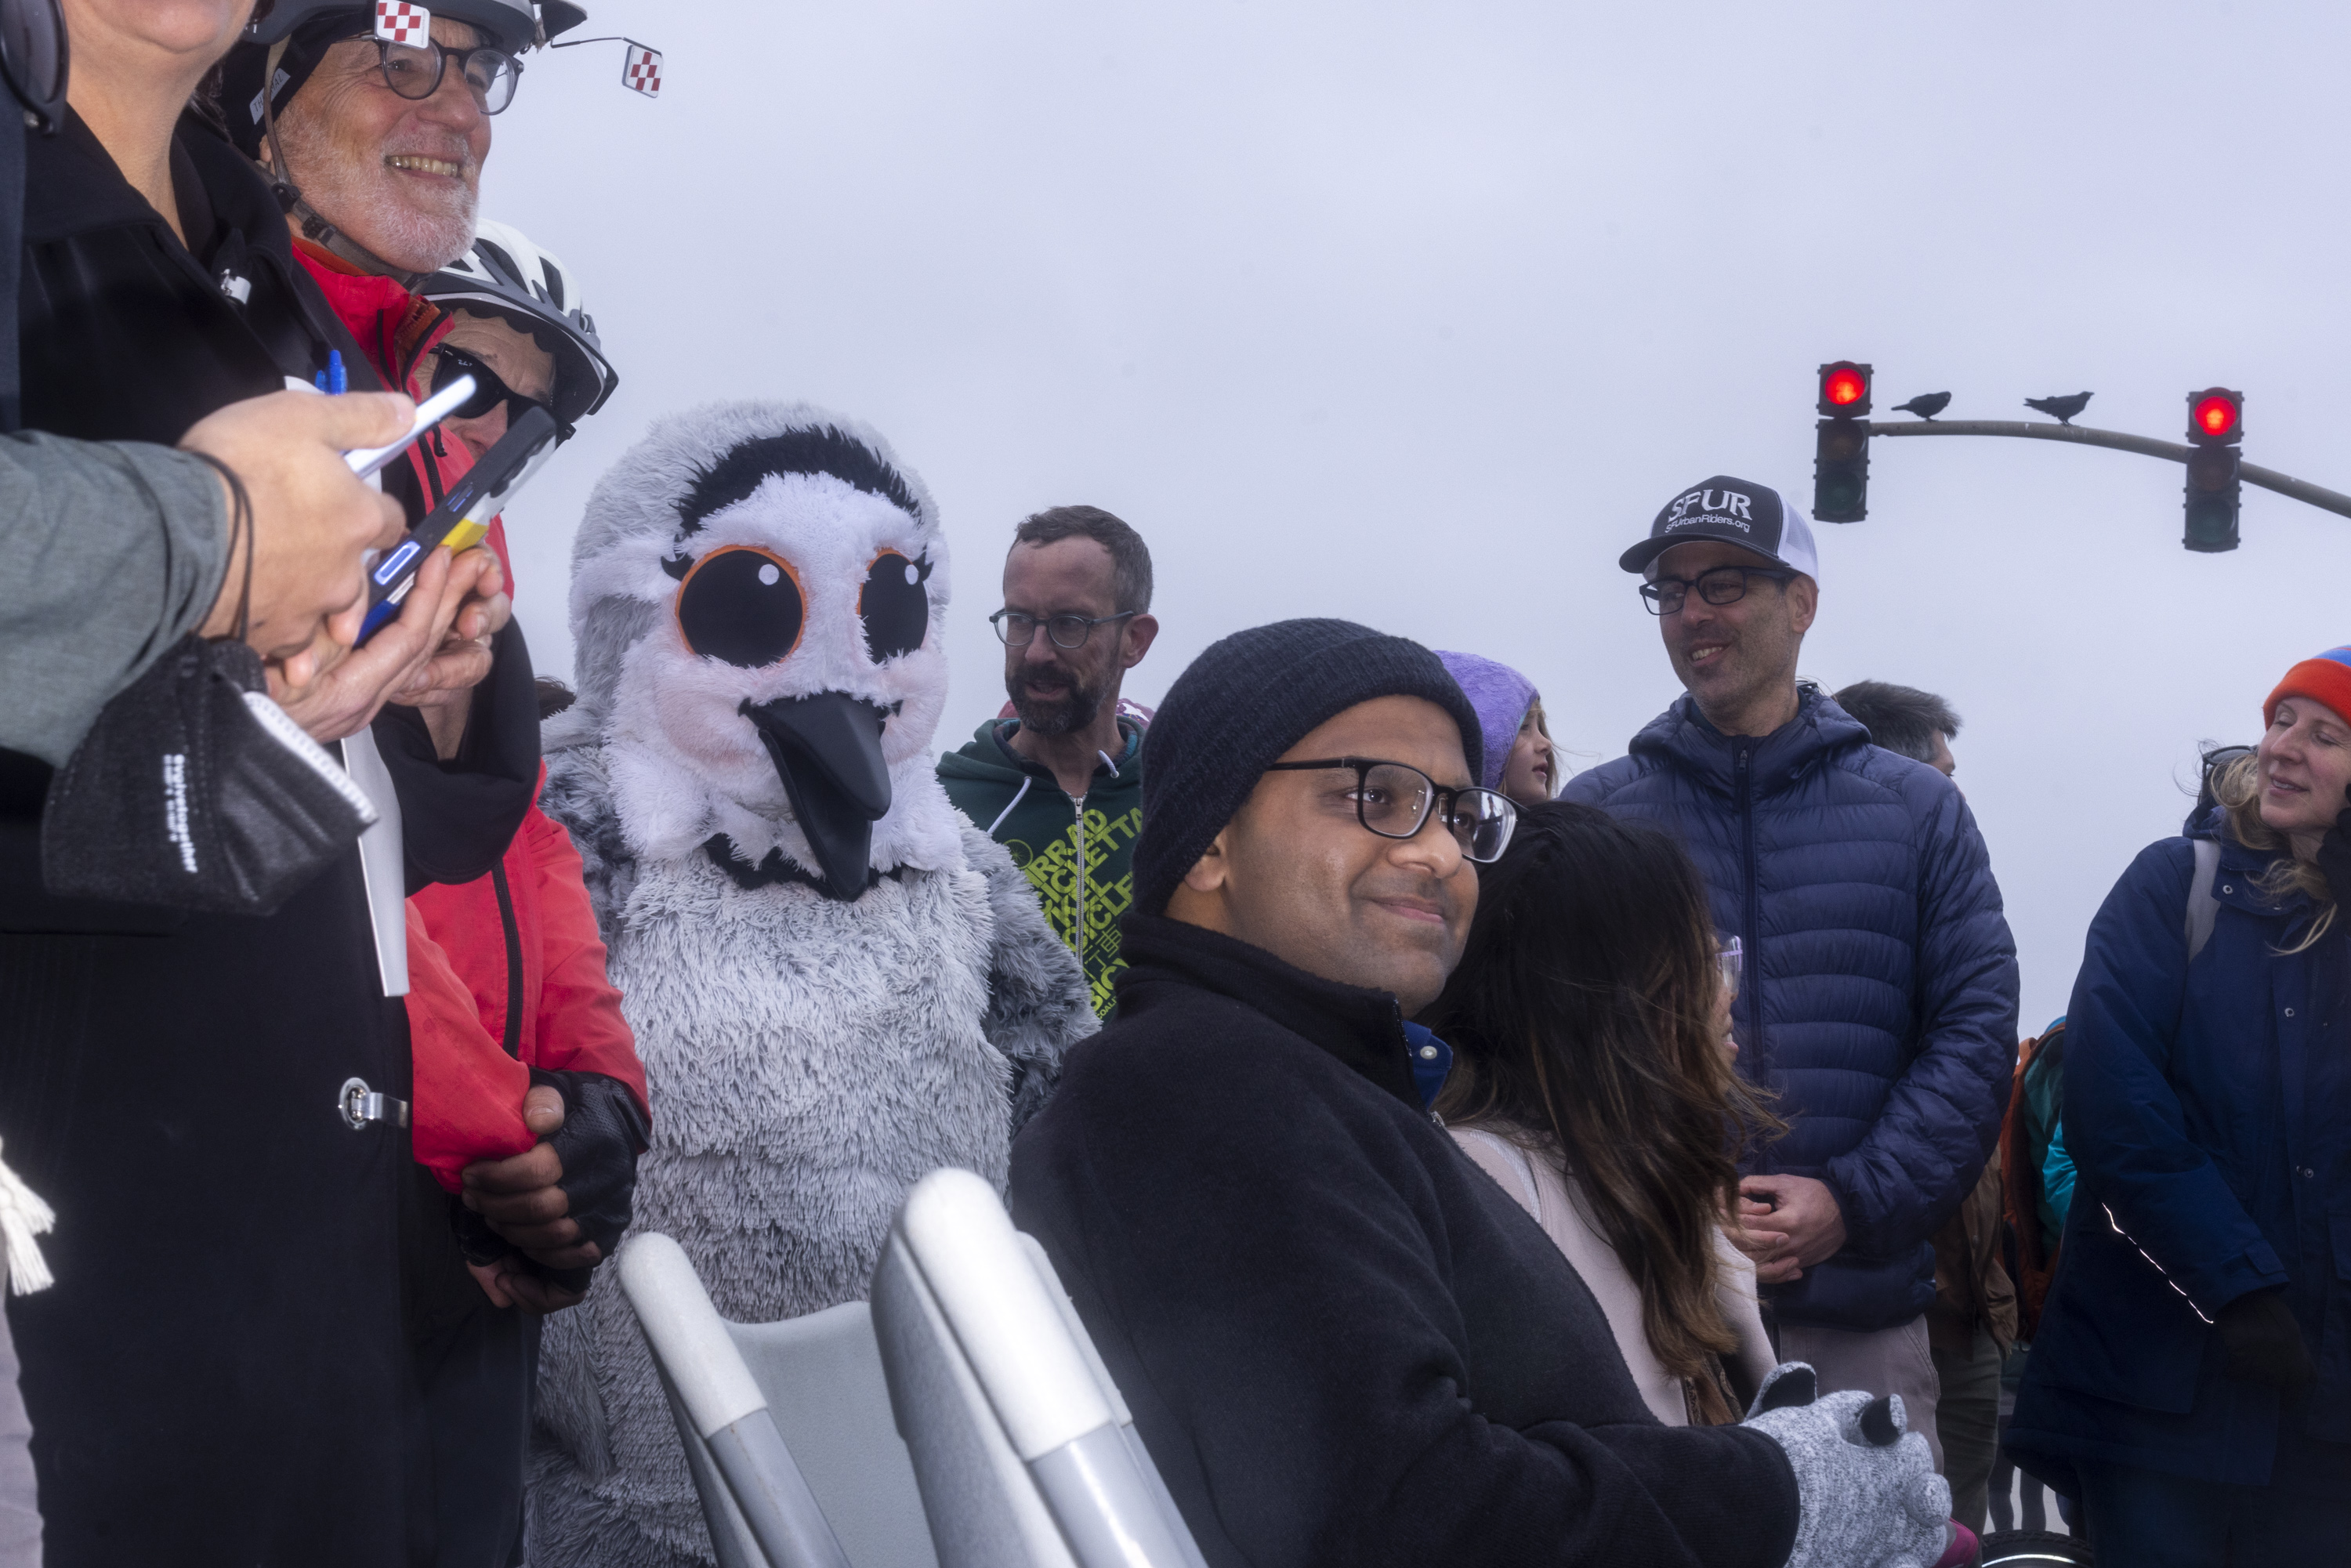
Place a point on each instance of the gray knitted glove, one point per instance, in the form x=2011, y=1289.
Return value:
x=1866, y=1492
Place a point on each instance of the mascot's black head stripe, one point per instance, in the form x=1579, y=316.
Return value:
x=820, y=450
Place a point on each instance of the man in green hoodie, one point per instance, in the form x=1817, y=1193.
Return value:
x=1061, y=784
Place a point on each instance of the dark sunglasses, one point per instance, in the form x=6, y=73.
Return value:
x=33, y=56
x=489, y=391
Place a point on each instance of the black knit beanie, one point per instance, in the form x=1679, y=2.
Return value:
x=1244, y=702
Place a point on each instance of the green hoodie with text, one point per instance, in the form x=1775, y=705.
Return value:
x=1078, y=854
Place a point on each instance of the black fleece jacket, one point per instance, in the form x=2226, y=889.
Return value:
x=1342, y=1343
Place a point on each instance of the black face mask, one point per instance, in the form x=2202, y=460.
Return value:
x=194, y=790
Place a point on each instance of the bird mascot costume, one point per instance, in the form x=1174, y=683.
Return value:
x=838, y=985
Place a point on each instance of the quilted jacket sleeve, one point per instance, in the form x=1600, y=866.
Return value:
x=1942, y=1117
x=2123, y=1121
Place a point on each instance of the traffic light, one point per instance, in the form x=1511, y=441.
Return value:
x=2216, y=423
x=1841, y=448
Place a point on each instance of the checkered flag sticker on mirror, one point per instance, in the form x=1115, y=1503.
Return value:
x=642, y=71
x=400, y=22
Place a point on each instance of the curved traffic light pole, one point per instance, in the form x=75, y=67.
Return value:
x=2252, y=474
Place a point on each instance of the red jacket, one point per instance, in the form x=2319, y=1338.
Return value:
x=506, y=973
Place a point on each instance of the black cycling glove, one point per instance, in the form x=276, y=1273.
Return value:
x=2264, y=1342
x=603, y=1132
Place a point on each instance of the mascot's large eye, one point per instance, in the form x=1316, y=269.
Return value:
x=894, y=605
x=741, y=605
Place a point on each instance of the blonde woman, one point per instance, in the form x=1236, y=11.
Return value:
x=2192, y=1379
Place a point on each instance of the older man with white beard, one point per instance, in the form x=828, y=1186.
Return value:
x=373, y=132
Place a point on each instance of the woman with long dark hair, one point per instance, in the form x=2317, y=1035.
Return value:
x=1591, y=1080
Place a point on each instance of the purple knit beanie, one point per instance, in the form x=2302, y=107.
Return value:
x=1501, y=696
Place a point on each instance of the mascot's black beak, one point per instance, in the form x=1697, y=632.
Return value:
x=827, y=750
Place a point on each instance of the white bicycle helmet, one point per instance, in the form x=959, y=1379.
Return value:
x=506, y=275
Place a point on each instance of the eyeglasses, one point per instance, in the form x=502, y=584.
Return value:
x=1731, y=960
x=488, y=390
x=1723, y=585
x=414, y=71
x=1394, y=800
x=1019, y=630
x=33, y=56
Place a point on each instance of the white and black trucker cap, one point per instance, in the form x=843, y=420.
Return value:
x=1737, y=512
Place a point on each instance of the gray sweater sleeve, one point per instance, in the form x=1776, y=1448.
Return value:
x=115, y=552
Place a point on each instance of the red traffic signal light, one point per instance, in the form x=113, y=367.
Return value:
x=2216, y=416
x=1844, y=390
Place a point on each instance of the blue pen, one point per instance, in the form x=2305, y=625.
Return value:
x=337, y=380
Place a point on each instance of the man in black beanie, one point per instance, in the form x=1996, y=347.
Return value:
x=1342, y=1343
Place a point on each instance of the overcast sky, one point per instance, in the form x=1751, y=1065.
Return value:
x=1415, y=315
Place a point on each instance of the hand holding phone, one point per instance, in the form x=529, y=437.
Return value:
x=464, y=515
x=367, y=460
x=312, y=521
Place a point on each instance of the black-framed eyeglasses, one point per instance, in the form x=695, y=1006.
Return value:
x=34, y=55
x=414, y=71
x=1016, y=629
x=488, y=390
x=1723, y=585
x=1395, y=800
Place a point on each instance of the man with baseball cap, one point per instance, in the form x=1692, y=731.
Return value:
x=1341, y=1342
x=1880, y=991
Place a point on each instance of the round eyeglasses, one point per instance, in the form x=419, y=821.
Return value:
x=1723, y=585
x=1016, y=630
x=414, y=71
x=1394, y=800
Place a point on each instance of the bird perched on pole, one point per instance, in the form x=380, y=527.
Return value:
x=2061, y=409
x=1926, y=406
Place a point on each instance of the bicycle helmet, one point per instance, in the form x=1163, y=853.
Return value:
x=512, y=26
x=506, y=275
x=285, y=42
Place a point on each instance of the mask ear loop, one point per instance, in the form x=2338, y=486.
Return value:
x=240, y=524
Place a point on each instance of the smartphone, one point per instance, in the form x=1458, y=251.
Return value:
x=464, y=515
x=367, y=460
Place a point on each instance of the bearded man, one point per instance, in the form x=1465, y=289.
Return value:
x=374, y=145
x=1060, y=784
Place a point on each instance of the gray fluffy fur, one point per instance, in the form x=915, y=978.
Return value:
x=809, y=1060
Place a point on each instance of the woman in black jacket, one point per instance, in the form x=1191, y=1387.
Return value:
x=220, y=1372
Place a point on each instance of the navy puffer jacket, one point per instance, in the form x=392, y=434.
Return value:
x=2207, y=1108
x=1880, y=992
